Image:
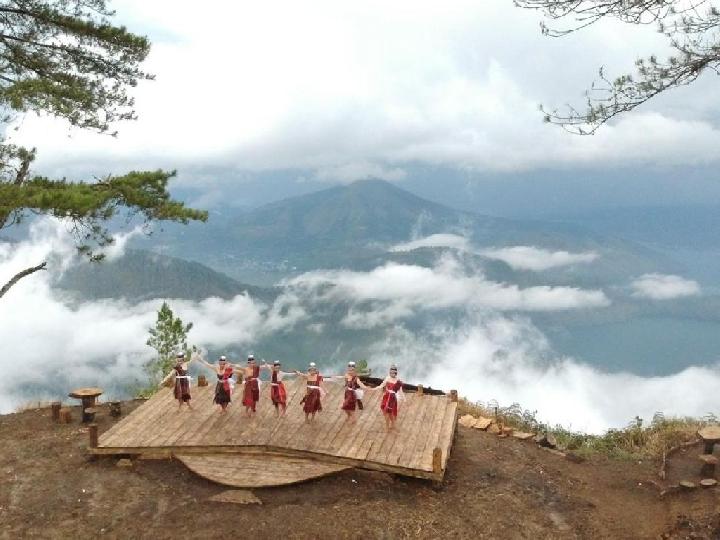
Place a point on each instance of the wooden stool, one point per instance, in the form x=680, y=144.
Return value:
x=65, y=415
x=710, y=435
x=708, y=468
x=89, y=414
x=87, y=396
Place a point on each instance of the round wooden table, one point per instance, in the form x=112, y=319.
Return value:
x=87, y=396
x=710, y=435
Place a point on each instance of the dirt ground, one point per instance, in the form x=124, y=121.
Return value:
x=494, y=488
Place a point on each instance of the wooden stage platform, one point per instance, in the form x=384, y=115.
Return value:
x=418, y=447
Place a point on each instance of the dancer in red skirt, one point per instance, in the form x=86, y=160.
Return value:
x=225, y=383
x=182, y=380
x=392, y=387
x=353, y=392
x=312, y=400
x=251, y=390
x=278, y=393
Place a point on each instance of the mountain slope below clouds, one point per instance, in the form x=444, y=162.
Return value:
x=141, y=275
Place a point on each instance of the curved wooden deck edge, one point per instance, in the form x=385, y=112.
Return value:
x=287, y=452
x=256, y=471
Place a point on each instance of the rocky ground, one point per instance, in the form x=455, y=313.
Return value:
x=495, y=488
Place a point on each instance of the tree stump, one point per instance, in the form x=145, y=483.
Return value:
x=55, y=408
x=115, y=410
x=708, y=465
x=89, y=414
x=65, y=415
x=202, y=380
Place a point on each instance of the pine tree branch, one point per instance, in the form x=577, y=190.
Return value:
x=17, y=277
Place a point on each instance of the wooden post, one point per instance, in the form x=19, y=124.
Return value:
x=453, y=395
x=65, y=416
x=93, y=433
x=437, y=460
x=55, y=406
x=202, y=380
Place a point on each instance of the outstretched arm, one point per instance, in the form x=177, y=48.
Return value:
x=205, y=362
x=167, y=377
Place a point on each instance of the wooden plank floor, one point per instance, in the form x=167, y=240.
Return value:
x=425, y=423
x=257, y=470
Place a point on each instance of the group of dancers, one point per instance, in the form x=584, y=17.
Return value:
x=314, y=392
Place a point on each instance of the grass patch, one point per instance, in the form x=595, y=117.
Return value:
x=637, y=440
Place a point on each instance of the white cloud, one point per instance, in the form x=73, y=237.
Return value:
x=100, y=342
x=537, y=259
x=518, y=257
x=664, y=287
x=340, y=89
x=510, y=361
x=443, y=240
x=395, y=291
x=350, y=172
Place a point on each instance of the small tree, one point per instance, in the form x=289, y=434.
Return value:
x=168, y=337
x=361, y=368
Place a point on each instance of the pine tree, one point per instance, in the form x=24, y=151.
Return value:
x=65, y=58
x=692, y=29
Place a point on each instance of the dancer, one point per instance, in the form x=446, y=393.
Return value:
x=311, y=401
x=224, y=387
x=353, y=392
x=182, y=380
x=393, y=393
x=278, y=393
x=251, y=389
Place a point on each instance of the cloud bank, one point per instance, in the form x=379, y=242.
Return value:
x=487, y=351
x=509, y=360
x=517, y=257
x=536, y=259
x=339, y=90
x=46, y=337
x=396, y=291
x=664, y=287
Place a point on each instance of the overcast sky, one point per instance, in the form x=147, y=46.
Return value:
x=338, y=91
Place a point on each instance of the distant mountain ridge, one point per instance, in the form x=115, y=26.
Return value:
x=353, y=226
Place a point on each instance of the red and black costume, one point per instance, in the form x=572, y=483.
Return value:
x=251, y=392
x=182, y=383
x=223, y=388
x=389, y=403
x=278, y=394
x=351, y=402
x=311, y=400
